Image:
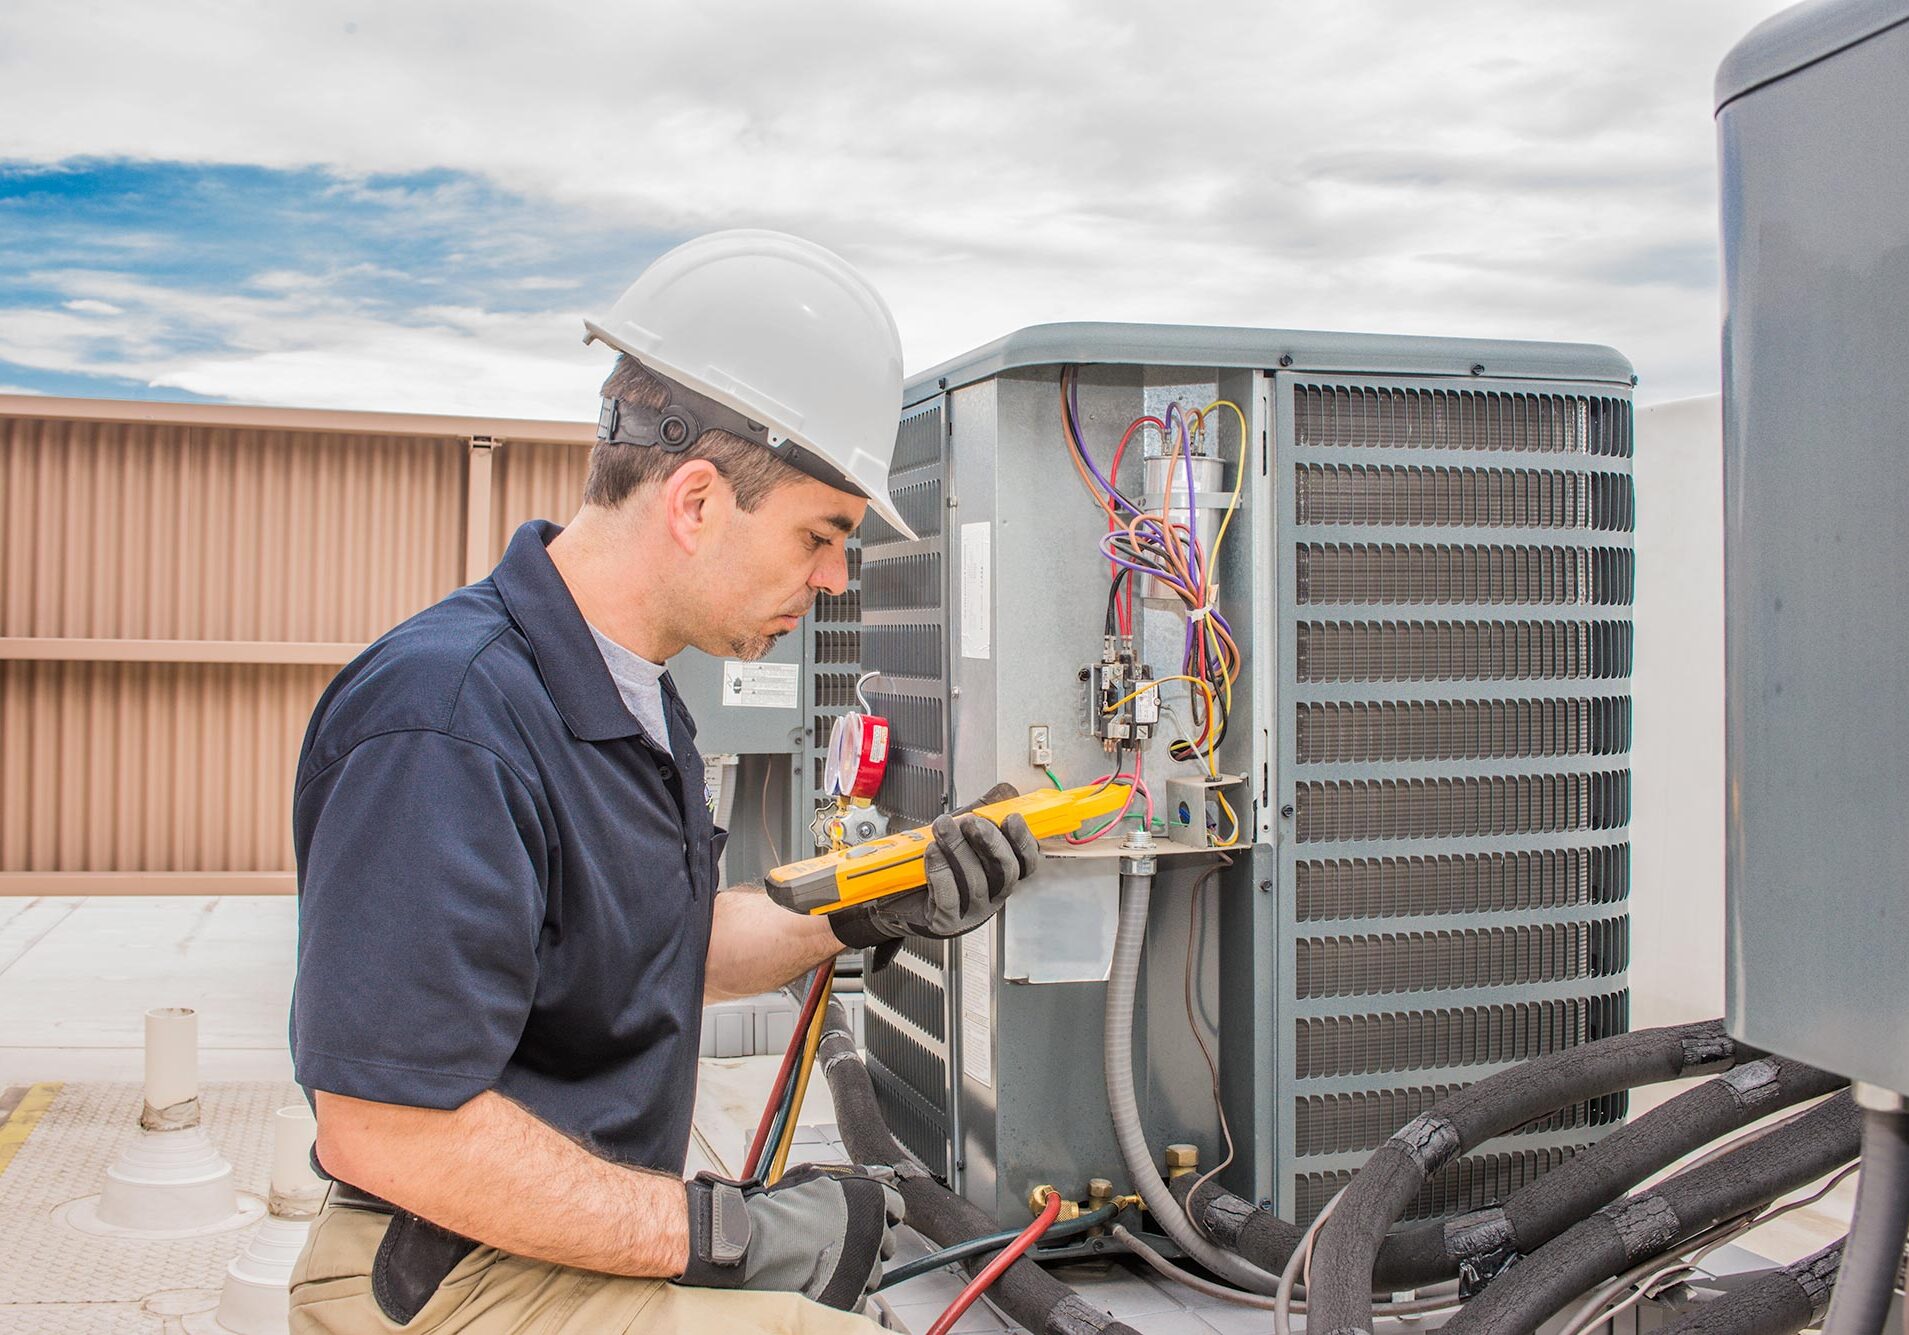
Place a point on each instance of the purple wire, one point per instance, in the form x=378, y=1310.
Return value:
x=1080, y=448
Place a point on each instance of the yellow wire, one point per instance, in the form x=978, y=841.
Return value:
x=809, y=1045
x=1232, y=504
x=1155, y=685
x=1233, y=821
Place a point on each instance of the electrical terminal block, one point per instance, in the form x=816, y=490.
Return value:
x=1123, y=700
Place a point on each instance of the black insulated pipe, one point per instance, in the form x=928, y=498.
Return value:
x=1652, y=1223
x=1873, y=1256
x=1487, y=1239
x=1346, y=1251
x=1027, y=1293
x=1778, y=1302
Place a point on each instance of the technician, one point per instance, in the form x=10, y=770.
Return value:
x=509, y=917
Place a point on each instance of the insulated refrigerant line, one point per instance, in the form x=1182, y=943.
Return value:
x=1348, y=1250
x=1488, y=1238
x=1652, y=1223
x=1136, y=892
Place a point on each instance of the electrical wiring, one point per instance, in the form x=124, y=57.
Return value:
x=1134, y=784
x=1052, y=777
x=1166, y=548
x=993, y=1270
x=1411, y=1307
x=1193, y=1023
x=1206, y=690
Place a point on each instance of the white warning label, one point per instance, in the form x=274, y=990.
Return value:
x=761, y=685
x=977, y=590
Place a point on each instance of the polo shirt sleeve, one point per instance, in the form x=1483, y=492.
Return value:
x=421, y=901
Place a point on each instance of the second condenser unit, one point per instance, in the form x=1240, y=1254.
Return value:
x=1421, y=549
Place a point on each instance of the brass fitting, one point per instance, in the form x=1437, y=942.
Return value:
x=1037, y=1202
x=1134, y=1202
x=1182, y=1159
x=1099, y=1192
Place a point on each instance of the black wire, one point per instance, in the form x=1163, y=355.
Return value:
x=1113, y=602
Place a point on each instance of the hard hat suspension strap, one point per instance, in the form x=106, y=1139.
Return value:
x=679, y=423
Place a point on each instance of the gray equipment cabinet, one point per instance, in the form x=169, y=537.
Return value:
x=1813, y=125
x=1430, y=575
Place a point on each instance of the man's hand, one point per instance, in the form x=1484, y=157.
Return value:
x=973, y=865
x=820, y=1232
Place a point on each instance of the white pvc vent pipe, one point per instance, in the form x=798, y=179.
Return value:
x=297, y=1191
x=172, y=1069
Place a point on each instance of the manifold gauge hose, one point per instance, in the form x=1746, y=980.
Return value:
x=858, y=756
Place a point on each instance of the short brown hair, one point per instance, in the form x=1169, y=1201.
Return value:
x=617, y=470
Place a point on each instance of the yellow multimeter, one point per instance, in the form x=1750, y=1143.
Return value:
x=890, y=866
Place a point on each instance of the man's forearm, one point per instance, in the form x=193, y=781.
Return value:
x=755, y=944
x=493, y=1172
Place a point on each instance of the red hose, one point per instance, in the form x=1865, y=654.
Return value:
x=993, y=1270
x=784, y=1073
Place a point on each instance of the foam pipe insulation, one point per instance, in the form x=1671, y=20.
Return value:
x=1488, y=1239
x=1347, y=1250
x=1778, y=1302
x=1651, y=1223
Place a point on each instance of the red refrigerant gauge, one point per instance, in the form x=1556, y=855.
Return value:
x=858, y=756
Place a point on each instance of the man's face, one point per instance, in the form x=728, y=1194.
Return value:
x=762, y=570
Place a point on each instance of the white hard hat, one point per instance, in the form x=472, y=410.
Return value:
x=784, y=333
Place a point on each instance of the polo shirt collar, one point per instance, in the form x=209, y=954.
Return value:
x=568, y=660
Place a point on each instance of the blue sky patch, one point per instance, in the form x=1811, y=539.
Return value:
x=110, y=271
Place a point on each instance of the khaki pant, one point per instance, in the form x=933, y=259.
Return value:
x=494, y=1293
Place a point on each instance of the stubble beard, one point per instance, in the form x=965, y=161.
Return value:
x=750, y=648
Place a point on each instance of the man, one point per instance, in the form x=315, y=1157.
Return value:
x=508, y=918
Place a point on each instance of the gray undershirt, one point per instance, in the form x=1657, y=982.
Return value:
x=639, y=682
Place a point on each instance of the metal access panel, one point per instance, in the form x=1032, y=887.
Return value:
x=1447, y=594
x=1814, y=131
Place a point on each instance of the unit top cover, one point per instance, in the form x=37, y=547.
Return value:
x=1109, y=344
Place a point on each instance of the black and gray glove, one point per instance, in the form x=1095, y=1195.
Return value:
x=973, y=866
x=821, y=1232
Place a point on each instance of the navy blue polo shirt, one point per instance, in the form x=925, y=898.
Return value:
x=503, y=882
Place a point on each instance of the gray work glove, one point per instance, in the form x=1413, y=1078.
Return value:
x=973, y=866
x=820, y=1232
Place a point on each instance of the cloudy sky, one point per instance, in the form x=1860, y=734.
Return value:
x=410, y=205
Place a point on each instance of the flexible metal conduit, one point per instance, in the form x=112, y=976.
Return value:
x=1874, y=1253
x=1027, y=1293
x=1136, y=892
x=1340, y=1301
x=1535, y=1214
x=1778, y=1302
x=1652, y=1222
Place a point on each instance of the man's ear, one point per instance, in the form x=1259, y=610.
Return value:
x=692, y=497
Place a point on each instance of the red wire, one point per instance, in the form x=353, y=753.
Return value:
x=1124, y=608
x=993, y=1270
x=784, y=1074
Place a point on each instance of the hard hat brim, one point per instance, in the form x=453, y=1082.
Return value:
x=881, y=505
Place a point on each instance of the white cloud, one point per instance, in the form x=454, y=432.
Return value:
x=1499, y=168
x=302, y=346
x=87, y=306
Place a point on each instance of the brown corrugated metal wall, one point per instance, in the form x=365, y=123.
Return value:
x=177, y=585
